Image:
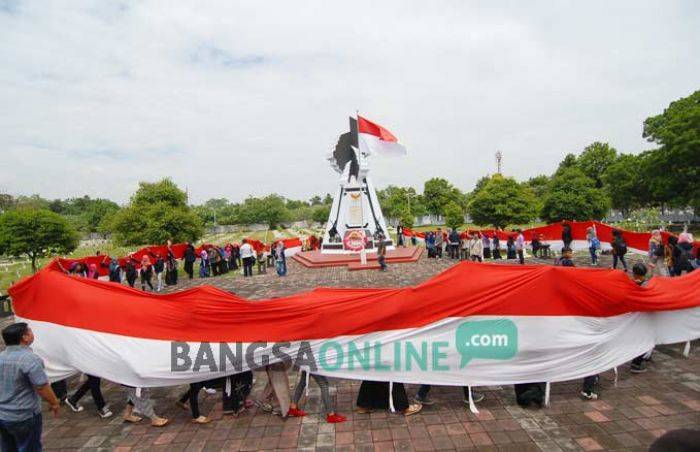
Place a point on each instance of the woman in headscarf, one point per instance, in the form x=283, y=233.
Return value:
x=131, y=272
x=92, y=272
x=280, y=259
x=203, y=264
x=486, y=242
x=146, y=272
x=496, y=246
x=656, y=254
x=593, y=244
x=190, y=258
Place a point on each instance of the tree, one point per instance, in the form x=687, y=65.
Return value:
x=270, y=210
x=164, y=191
x=624, y=183
x=407, y=218
x=502, y=201
x=573, y=196
x=321, y=213
x=568, y=162
x=595, y=159
x=674, y=168
x=437, y=193
x=328, y=199
x=538, y=185
x=35, y=233
x=398, y=201
x=7, y=202
x=315, y=200
x=454, y=215
x=157, y=212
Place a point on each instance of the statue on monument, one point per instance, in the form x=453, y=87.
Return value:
x=355, y=222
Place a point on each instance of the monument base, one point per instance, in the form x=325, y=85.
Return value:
x=317, y=259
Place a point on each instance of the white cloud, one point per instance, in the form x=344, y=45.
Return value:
x=238, y=98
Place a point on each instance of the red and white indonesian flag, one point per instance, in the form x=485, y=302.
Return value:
x=377, y=140
x=474, y=324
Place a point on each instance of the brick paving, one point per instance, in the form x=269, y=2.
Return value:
x=627, y=417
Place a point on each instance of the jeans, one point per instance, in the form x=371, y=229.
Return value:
x=621, y=258
x=159, y=281
x=281, y=267
x=93, y=385
x=21, y=436
x=594, y=256
x=248, y=266
x=382, y=262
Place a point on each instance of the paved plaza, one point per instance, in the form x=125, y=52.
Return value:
x=628, y=416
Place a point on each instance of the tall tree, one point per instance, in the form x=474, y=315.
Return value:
x=35, y=233
x=573, y=196
x=437, y=193
x=502, y=201
x=624, y=183
x=595, y=159
x=568, y=162
x=675, y=166
x=454, y=215
x=157, y=212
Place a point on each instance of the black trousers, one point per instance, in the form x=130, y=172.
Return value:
x=248, y=263
x=60, y=388
x=93, y=385
x=521, y=257
x=241, y=385
x=375, y=394
x=189, y=269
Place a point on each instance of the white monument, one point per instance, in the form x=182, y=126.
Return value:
x=355, y=221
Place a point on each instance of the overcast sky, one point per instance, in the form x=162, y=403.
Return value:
x=235, y=98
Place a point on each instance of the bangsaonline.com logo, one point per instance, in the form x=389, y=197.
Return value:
x=480, y=339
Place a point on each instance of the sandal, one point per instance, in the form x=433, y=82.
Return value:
x=413, y=409
x=201, y=420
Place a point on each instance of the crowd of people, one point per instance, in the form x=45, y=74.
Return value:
x=25, y=382
x=162, y=270
x=670, y=257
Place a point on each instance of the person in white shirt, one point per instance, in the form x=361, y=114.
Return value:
x=248, y=258
x=476, y=248
x=520, y=247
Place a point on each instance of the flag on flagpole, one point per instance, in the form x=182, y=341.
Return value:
x=377, y=140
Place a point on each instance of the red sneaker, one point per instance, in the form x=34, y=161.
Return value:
x=335, y=419
x=296, y=412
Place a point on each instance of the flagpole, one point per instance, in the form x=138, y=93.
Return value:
x=359, y=151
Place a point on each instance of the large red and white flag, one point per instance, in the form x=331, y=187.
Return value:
x=377, y=139
x=459, y=328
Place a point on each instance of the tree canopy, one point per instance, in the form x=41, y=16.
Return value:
x=35, y=233
x=573, y=196
x=595, y=159
x=157, y=212
x=438, y=193
x=502, y=201
x=673, y=170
